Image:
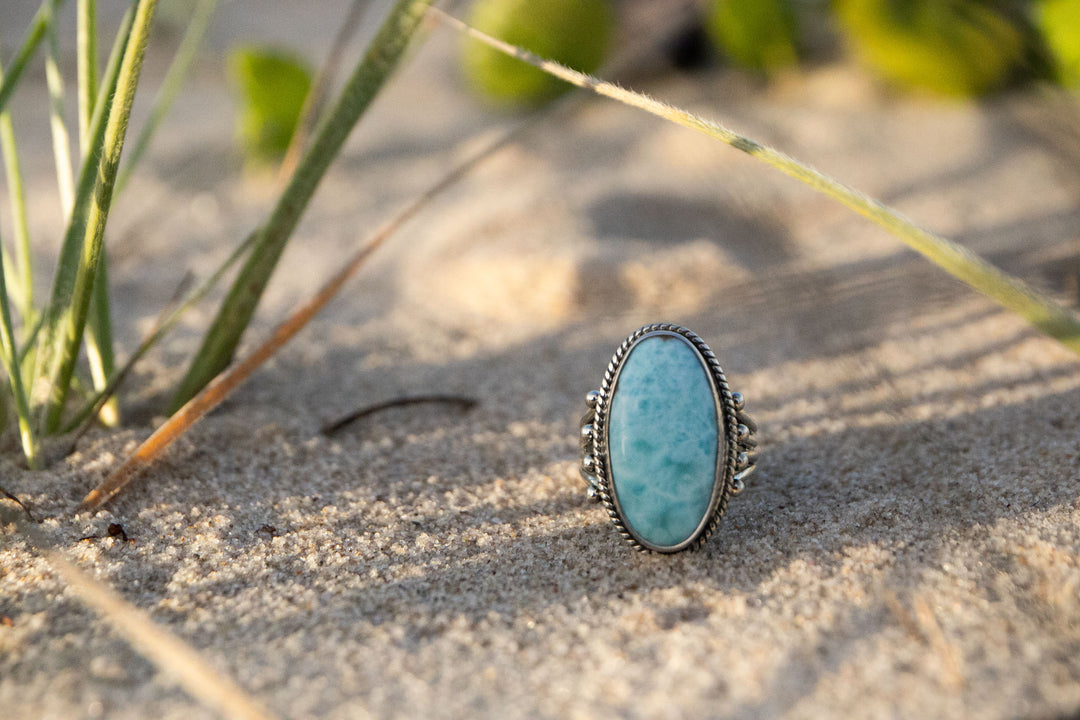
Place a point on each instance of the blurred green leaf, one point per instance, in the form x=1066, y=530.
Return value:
x=959, y=48
x=575, y=33
x=760, y=35
x=271, y=86
x=1059, y=22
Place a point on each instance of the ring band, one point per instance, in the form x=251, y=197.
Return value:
x=665, y=442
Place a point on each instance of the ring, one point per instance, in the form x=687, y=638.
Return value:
x=665, y=442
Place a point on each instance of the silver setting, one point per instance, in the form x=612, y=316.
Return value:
x=738, y=444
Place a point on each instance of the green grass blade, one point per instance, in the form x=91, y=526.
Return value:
x=9, y=354
x=87, y=67
x=99, y=339
x=320, y=85
x=100, y=352
x=80, y=252
x=167, y=323
x=68, y=263
x=170, y=86
x=20, y=276
x=38, y=26
x=366, y=80
x=1037, y=308
x=61, y=142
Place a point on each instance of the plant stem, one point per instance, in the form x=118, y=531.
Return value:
x=170, y=86
x=61, y=143
x=314, y=101
x=20, y=276
x=1038, y=309
x=88, y=68
x=161, y=328
x=80, y=253
x=99, y=340
x=34, y=36
x=367, y=79
x=9, y=354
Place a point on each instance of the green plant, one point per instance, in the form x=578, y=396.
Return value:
x=949, y=47
x=41, y=352
x=1040, y=310
x=1059, y=23
x=40, y=346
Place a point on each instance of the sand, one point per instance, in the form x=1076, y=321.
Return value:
x=910, y=544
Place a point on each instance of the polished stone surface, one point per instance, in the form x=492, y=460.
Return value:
x=663, y=439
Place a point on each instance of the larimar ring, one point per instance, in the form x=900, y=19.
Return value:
x=665, y=442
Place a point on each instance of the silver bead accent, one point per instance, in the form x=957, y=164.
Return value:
x=588, y=434
x=742, y=433
x=588, y=464
x=741, y=461
x=738, y=400
x=592, y=399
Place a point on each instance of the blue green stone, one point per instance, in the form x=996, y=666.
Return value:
x=663, y=440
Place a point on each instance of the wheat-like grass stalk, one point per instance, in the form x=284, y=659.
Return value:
x=1037, y=308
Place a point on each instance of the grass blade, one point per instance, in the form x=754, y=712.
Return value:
x=80, y=252
x=34, y=36
x=9, y=358
x=1037, y=308
x=20, y=276
x=100, y=353
x=314, y=100
x=161, y=328
x=365, y=82
x=99, y=340
x=224, y=384
x=83, y=420
x=87, y=68
x=170, y=86
x=179, y=662
x=61, y=143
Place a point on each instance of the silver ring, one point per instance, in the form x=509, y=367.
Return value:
x=665, y=442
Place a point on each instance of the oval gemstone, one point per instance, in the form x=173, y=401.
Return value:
x=663, y=440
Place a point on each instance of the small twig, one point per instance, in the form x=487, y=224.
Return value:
x=314, y=101
x=14, y=498
x=465, y=403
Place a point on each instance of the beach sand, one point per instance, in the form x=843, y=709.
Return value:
x=910, y=543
